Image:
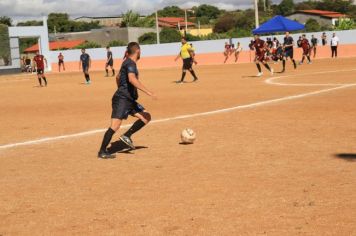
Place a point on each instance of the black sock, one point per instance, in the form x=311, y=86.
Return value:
x=183, y=76
x=267, y=66
x=303, y=59
x=113, y=72
x=284, y=64
x=107, y=71
x=259, y=68
x=87, y=78
x=45, y=80
x=40, y=81
x=294, y=64
x=193, y=74
x=139, y=124
x=107, y=138
x=309, y=58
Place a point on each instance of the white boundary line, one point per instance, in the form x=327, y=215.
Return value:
x=240, y=107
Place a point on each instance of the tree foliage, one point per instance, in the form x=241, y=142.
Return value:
x=5, y=20
x=148, y=38
x=116, y=43
x=5, y=44
x=312, y=25
x=286, y=7
x=208, y=11
x=60, y=22
x=171, y=11
x=88, y=44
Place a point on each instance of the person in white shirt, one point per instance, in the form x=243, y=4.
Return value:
x=237, y=51
x=334, y=44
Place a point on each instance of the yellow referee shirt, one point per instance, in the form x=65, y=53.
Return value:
x=184, y=51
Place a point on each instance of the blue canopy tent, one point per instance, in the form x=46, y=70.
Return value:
x=278, y=24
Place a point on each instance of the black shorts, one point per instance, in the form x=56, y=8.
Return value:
x=85, y=68
x=122, y=108
x=289, y=53
x=187, y=63
x=40, y=71
x=60, y=62
x=110, y=63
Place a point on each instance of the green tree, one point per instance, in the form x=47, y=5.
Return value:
x=225, y=23
x=191, y=37
x=5, y=44
x=5, y=20
x=130, y=19
x=343, y=24
x=116, y=43
x=286, y=7
x=148, y=38
x=60, y=22
x=312, y=25
x=30, y=23
x=211, y=12
x=171, y=11
x=88, y=44
x=168, y=35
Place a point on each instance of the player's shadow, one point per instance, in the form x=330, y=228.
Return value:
x=346, y=156
x=121, y=147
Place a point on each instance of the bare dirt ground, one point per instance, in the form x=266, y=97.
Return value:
x=282, y=165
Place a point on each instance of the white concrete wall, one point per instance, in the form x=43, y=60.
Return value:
x=28, y=32
x=210, y=46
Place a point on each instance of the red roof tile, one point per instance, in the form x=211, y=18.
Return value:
x=57, y=45
x=329, y=14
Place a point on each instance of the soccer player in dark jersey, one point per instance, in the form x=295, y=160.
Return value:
x=61, y=62
x=124, y=101
x=109, y=62
x=85, y=63
x=314, y=44
x=306, y=49
x=261, y=49
x=40, y=61
x=288, y=51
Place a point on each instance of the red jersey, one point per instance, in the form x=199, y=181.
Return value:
x=305, y=44
x=39, y=59
x=60, y=57
x=227, y=47
x=259, y=46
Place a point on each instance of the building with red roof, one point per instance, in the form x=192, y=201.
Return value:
x=174, y=22
x=57, y=45
x=324, y=18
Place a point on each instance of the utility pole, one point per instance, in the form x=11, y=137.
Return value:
x=157, y=28
x=256, y=14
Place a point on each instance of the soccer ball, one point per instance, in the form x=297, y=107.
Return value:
x=188, y=136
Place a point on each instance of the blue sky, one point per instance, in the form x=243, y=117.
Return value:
x=25, y=9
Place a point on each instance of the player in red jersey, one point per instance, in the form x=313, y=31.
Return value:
x=261, y=49
x=227, y=51
x=306, y=49
x=61, y=62
x=40, y=62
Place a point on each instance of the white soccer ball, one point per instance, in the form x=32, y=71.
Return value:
x=188, y=136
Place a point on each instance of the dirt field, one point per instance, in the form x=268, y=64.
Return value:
x=281, y=161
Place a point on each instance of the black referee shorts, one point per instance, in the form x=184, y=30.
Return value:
x=187, y=63
x=289, y=53
x=122, y=108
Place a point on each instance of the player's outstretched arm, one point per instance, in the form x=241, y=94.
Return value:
x=176, y=59
x=135, y=82
x=46, y=63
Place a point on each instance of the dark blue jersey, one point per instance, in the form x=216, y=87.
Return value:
x=85, y=58
x=109, y=55
x=126, y=89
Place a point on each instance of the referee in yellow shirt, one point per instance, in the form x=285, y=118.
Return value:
x=187, y=54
